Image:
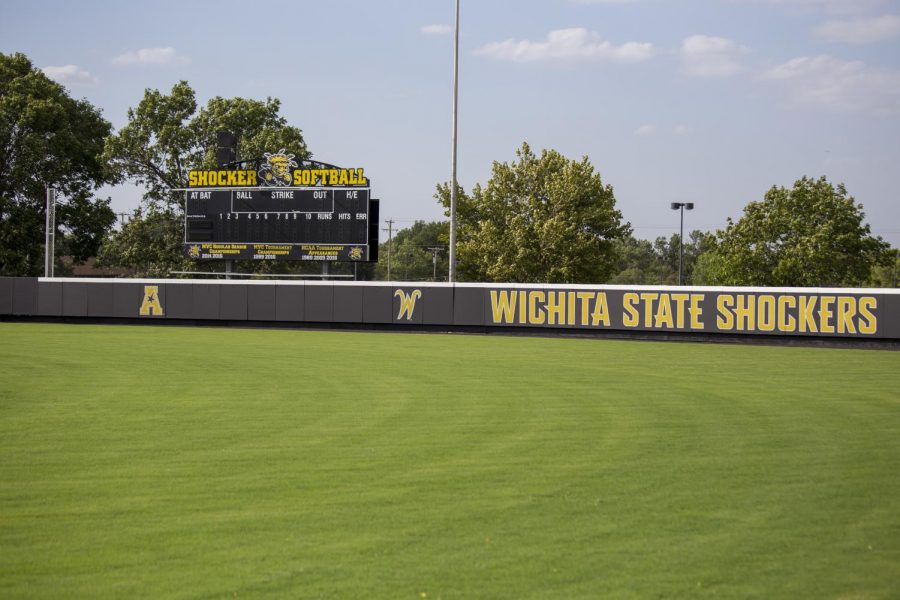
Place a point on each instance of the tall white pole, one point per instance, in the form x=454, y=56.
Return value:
x=452, y=276
x=49, y=230
x=681, y=248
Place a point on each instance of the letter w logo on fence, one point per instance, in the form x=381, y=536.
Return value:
x=407, y=303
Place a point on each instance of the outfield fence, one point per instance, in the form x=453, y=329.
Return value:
x=790, y=313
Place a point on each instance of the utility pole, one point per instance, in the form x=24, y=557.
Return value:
x=452, y=273
x=434, y=255
x=390, y=230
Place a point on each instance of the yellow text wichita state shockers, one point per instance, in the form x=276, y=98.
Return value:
x=797, y=313
x=763, y=313
x=300, y=177
x=662, y=310
x=540, y=307
x=592, y=309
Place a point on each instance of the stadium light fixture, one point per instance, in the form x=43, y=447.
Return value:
x=681, y=206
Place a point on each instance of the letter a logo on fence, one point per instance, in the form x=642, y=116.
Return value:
x=150, y=305
x=407, y=303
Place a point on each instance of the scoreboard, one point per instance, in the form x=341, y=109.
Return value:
x=289, y=223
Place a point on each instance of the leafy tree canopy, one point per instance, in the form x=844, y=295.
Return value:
x=812, y=234
x=48, y=139
x=165, y=138
x=539, y=219
x=887, y=274
x=417, y=253
x=149, y=244
x=642, y=262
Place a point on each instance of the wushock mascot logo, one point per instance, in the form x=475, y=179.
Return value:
x=277, y=170
x=151, y=305
x=407, y=303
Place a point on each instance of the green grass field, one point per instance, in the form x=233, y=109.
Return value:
x=211, y=463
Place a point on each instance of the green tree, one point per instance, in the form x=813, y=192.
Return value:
x=539, y=219
x=812, y=234
x=164, y=139
x=709, y=269
x=148, y=244
x=888, y=273
x=669, y=253
x=638, y=263
x=48, y=138
x=413, y=251
x=85, y=222
x=642, y=262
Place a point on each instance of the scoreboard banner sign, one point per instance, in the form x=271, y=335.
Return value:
x=301, y=252
x=281, y=212
x=279, y=170
x=297, y=177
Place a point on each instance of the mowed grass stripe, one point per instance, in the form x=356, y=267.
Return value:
x=192, y=462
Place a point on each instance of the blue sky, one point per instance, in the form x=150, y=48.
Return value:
x=707, y=101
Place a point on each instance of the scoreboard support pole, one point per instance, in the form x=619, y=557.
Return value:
x=229, y=267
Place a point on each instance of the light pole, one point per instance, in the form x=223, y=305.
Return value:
x=681, y=206
x=452, y=270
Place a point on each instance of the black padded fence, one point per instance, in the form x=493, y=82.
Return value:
x=790, y=313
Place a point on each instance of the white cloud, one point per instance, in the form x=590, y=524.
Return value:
x=708, y=56
x=681, y=130
x=645, y=130
x=834, y=7
x=865, y=30
x=823, y=82
x=69, y=75
x=567, y=45
x=152, y=56
x=436, y=29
